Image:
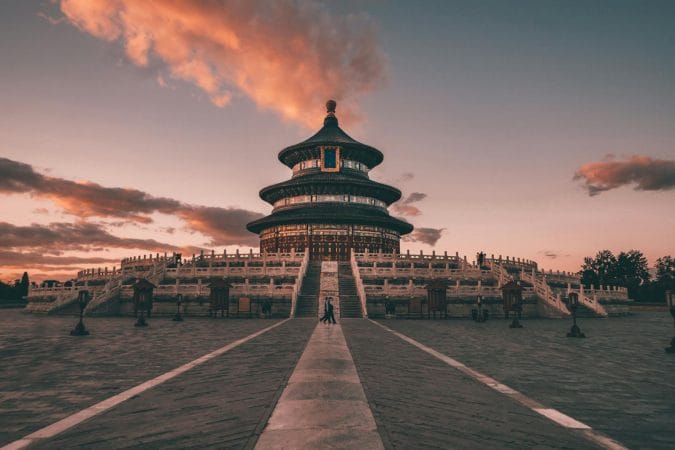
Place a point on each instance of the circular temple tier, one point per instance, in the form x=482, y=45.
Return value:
x=330, y=205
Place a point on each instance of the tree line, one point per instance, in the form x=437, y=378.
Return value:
x=15, y=293
x=630, y=270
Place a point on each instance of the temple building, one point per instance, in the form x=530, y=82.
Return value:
x=330, y=206
x=329, y=235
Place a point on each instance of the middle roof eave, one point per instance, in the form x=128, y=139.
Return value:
x=330, y=183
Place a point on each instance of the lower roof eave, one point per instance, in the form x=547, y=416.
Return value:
x=388, y=222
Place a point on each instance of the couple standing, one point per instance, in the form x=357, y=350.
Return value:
x=328, y=315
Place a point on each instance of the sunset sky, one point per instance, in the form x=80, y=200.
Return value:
x=539, y=129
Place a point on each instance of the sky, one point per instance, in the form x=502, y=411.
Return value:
x=537, y=129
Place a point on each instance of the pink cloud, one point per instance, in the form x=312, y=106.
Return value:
x=288, y=56
x=648, y=174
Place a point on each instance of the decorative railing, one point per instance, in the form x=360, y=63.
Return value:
x=411, y=257
x=416, y=290
x=202, y=290
x=592, y=303
x=511, y=261
x=499, y=272
x=195, y=271
x=360, y=290
x=217, y=257
x=400, y=272
x=607, y=292
x=99, y=274
x=298, y=282
x=543, y=291
x=111, y=289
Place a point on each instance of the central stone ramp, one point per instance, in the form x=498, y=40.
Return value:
x=323, y=405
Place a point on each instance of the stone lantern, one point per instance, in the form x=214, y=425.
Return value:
x=437, y=297
x=512, y=296
x=142, y=300
x=219, y=297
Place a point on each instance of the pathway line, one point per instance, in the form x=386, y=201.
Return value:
x=323, y=405
x=554, y=415
x=74, y=419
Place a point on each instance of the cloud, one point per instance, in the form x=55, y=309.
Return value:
x=646, y=173
x=427, y=236
x=29, y=260
x=225, y=226
x=56, y=238
x=38, y=275
x=552, y=254
x=405, y=207
x=288, y=56
x=405, y=177
x=82, y=199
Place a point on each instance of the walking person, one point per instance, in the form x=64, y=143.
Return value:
x=326, y=316
x=329, y=311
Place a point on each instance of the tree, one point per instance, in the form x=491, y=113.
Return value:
x=665, y=273
x=665, y=270
x=631, y=271
x=23, y=285
x=599, y=270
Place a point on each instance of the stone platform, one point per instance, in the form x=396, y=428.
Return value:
x=358, y=384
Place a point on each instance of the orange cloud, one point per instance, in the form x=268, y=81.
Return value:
x=427, y=236
x=225, y=226
x=646, y=173
x=405, y=207
x=288, y=56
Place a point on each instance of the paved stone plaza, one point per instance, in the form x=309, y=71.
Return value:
x=618, y=381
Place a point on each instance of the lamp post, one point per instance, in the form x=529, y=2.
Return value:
x=178, y=317
x=575, y=331
x=517, y=307
x=80, y=329
x=671, y=306
x=480, y=317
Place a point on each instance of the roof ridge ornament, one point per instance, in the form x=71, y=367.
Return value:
x=330, y=116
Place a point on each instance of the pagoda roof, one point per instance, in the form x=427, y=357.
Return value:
x=331, y=134
x=332, y=213
x=330, y=183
